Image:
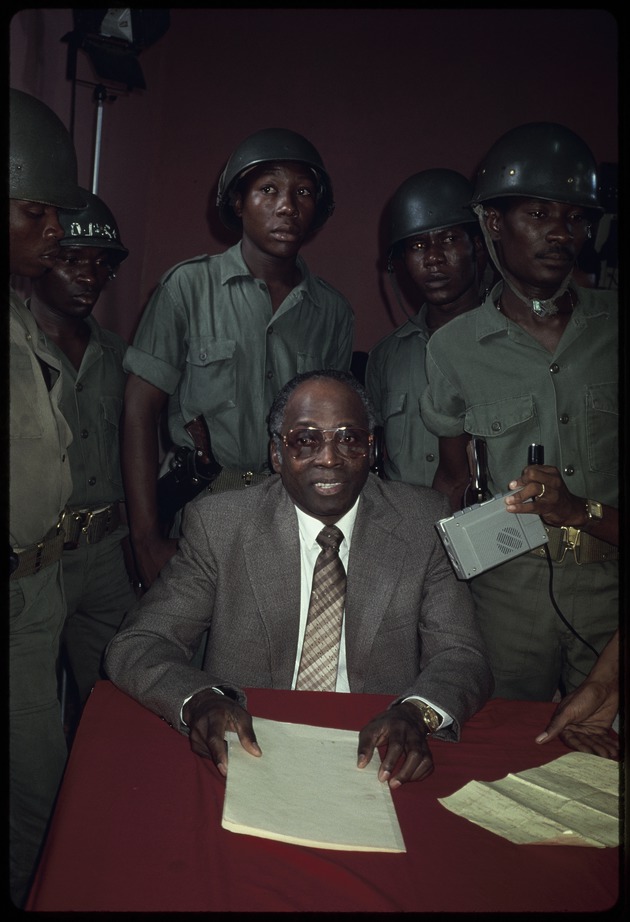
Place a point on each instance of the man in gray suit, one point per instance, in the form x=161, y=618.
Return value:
x=243, y=573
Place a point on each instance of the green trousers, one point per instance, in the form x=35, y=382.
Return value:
x=37, y=745
x=532, y=651
x=98, y=595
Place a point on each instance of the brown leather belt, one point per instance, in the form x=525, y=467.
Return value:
x=236, y=480
x=93, y=522
x=585, y=548
x=36, y=557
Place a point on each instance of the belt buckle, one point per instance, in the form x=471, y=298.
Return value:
x=38, y=557
x=95, y=525
x=87, y=530
x=247, y=478
x=71, y=522
x=571, y=539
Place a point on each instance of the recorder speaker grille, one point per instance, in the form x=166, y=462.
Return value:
x=509, y=539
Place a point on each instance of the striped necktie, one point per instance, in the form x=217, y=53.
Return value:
x=320, y=652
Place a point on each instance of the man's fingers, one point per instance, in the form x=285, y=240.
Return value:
x=416, y=766
x=599, y=744
x=550, y=733
x=247, y=739
x=364, y=756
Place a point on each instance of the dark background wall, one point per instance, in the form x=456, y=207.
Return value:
x=381, y=93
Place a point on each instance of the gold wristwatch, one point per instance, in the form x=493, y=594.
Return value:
x=430, y=718
x=594, y=510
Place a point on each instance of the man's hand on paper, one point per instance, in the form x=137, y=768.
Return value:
x=400, y=730
x=209, y=716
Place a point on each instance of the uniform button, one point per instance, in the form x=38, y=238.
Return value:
x=269, y=331
x=430, y=457
x=84, y=433
x=554, y=369
x=569, y=470
x=203, y=356
x=270, y=374
x=92, y=481
x=79, y=387
x=564, y=418
x=496, y=426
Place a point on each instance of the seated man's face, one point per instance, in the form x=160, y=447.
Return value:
x=325, y=483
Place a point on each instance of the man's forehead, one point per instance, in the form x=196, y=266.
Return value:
x=317, y=397
x=532, y=200
x=276, y=167
x=437, y=233
x=79, y=248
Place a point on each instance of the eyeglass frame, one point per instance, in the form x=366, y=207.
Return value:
x=333, y=441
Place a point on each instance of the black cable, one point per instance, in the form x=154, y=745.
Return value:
x=559, y=613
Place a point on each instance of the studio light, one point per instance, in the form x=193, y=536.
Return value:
x=113, y=39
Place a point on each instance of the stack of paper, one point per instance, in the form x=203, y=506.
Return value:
x=306, y=789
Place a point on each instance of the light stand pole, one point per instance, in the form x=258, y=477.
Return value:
x=100, y=95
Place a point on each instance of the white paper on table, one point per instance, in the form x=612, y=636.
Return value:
x=306, y=789
x=573, y=800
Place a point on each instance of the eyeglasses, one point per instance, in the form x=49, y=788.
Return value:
x=308, y=442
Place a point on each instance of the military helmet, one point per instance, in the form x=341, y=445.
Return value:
x=539, y=160
x=266, y=146
x=93, y=226
x=42, y=158
x=430, y=201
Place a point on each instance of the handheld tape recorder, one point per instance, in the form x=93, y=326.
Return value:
x=485, y=535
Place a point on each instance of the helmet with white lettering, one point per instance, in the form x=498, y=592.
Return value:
x=93, y=226
x=42, y=158
x=267, y=146
x=540, y=160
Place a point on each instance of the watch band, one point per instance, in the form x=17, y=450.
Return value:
x=226, y=690
x=430, y=718
x=594, y=510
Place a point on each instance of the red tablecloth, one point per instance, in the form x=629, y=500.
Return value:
x=137, y=826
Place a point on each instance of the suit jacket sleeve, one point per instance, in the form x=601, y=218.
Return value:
x=410, y=623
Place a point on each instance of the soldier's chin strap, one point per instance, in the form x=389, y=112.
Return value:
x=540, y=307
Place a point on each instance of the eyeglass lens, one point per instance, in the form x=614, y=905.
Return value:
x=305, y=443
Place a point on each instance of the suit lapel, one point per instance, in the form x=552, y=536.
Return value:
x=377, y=559
x=272, y=560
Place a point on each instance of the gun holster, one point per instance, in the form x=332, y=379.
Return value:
x=187, y=477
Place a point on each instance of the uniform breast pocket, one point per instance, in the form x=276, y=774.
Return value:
x=508, y=427
x=26, y=420
x=211, y=375
x=602, y=427
x=111, y=408
x=512, y=416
